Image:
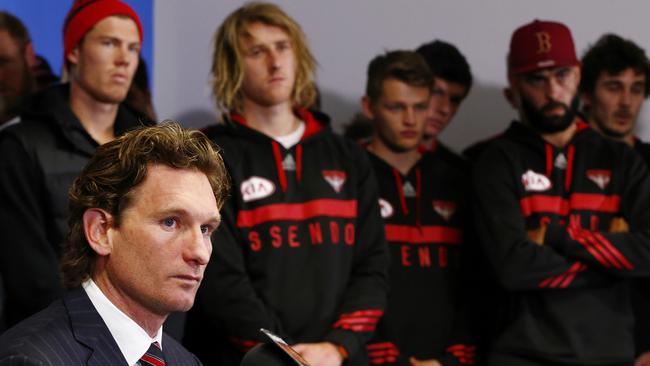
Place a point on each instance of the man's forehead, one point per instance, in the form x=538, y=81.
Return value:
x=6, y=40
x=120, y=26
x=638, y=74
x=254, y=31
x=449, y=85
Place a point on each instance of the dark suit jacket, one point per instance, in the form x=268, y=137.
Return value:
x=71, y=332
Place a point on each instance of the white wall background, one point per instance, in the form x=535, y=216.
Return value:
x=346, y=34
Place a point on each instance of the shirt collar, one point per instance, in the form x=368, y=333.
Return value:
x=132, y=340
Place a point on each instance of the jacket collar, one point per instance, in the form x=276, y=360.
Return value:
x=53, y=106
x=90, y=330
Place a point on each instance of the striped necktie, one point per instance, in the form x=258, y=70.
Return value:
x=153, y=357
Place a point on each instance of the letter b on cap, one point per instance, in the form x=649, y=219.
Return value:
x=543, y=42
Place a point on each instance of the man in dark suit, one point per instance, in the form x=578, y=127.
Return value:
x=141, y=215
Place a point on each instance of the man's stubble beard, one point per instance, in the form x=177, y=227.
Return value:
x=537, y=119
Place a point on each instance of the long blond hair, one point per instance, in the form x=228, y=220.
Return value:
x=227, y=72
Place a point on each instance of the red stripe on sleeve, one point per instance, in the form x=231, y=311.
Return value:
x=359, y=321
x=580, y=239
x=608, y=246
x=599, y=246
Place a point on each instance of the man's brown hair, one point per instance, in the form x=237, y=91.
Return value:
x=117, y=168
x=405, y=66
x=15, y=28
x=227, y=59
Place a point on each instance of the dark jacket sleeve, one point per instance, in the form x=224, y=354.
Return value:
x=365, y=297
x=227, y=295
x=519, y=263
x=625, y=254
x=28, y=261
x=20, y=360
x=461, y=350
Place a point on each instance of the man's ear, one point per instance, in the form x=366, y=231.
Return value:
x=97, y=223
x=586, y=100
x=510, y=97
x=30, y=55
x=366, y=107
x=73, y=56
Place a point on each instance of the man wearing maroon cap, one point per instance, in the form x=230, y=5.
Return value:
x=562, y=215
x=60, y=129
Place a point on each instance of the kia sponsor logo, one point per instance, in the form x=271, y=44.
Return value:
x=255, y=188
x=535, y=182
x=385, y=208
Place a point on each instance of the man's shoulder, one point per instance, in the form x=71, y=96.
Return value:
x=643, y=148
x=42, y=337
x=176, y=354
x=30, y=130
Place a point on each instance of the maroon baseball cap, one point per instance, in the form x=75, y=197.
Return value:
x=539, y=45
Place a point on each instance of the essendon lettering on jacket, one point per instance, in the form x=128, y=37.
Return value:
x=417, y=244
x=420, y=256
x=288, y=236
x=575, y=220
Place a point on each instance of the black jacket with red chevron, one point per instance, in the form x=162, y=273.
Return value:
x=425, y=215
x=301, y=249
x=568, y=298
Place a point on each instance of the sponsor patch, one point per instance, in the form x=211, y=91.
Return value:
x=335, y=178
x=445, y=209
x=535, y=182
x=600, y=177
x=255, y=188
x=385, y=208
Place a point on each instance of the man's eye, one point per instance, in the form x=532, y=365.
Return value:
x=169, y=222
x=206, y=229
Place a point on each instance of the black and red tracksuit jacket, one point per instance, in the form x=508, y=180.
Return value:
x=301, y=248
x=569, y=299
x=641, y=288
x=425, y=215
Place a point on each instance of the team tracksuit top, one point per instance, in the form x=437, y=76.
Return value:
x=301, y=249
x=425, y=217
x=641, y=291
x=569, y=300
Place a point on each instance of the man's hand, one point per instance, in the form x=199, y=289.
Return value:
x=319, y=354
x=537, y=235
x=618, y=225
x=643, y=359
x=415, y=362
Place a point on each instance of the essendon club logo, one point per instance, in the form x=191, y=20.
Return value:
x=385, y=208
x=255, y=188
x=336, y=178
x=445, y=209
x=600, y=177
x=535, y=182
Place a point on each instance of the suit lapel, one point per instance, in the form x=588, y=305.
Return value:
x=90, y=330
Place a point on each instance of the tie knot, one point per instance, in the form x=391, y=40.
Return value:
x=153, y=357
